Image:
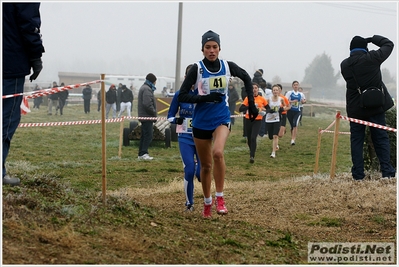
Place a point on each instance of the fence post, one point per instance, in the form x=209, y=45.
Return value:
x=335, y=145
x=316, y=167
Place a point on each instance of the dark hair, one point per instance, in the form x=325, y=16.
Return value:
x=295, y=82
x=254, y=83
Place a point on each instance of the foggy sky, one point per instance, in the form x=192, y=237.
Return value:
x=135, y=38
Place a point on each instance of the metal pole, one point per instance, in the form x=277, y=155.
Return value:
x=178, y=51
x=103, y=142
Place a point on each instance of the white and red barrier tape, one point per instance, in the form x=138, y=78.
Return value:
x=49, y=91
x=367, y=123
x=64, y=123
x=357, y=121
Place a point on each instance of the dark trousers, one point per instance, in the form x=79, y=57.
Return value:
x=147, y=132
x=61, y=104
x=86, y=104
x=11, y=113
x=263, y=128
x=381, y=145
x=252, y=134
x=232, y=108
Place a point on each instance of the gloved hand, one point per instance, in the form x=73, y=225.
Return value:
x=262, y=113
x=368, y=40
x=179, y=120
x=37, y=67
x=252, y=111
x=281, y=109
x=212, y=98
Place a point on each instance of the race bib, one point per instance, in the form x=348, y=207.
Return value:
x=185, y=127
x=217, y=84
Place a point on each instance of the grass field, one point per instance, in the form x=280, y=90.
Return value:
x=276, y=206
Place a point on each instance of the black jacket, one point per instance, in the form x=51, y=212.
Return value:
x=126, y=95
x=87, y=93
x=21, y=38
x=110, y=96
x=366, y=67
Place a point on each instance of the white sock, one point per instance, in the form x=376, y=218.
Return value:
x=208, y=200
x=219, y=194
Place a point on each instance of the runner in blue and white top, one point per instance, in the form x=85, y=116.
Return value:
x=187, y=148
x=294, y=114
x=211, y=116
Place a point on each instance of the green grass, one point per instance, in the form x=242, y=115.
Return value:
x=59, y=203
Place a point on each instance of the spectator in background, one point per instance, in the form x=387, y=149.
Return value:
x=233, y=98
x=133, y=91
x=22, y=52
x=118, y=97
x=126, y=101
x=147, y=107
x=110, y=98
x=87, y=91
x=258, y=77
x=362, y=70
x=62, y=97
x=99, y=100
x=37, y=101
x=52, y=100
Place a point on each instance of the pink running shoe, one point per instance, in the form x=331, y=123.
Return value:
x=207, y=212
x=220, y=206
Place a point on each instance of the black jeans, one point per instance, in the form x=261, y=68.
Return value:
x=147, y=132
x=86, y=105
x=381, y=145
x=252, y=129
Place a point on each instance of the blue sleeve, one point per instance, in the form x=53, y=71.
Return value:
x=173, y=108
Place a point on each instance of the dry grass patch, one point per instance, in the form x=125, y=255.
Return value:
x=311, y=208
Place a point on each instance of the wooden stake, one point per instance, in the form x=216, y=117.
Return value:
x=316, y=167
x=335, y=145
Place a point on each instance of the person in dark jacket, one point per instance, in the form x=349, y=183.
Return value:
x=87, y=91
x=62, y=97
x=362, y=69
x=258, y=77
x=126, y=101
x=22, y=51
x=52, y=100
x=99, y=100
x=37, y=101
x=110, y=100
x=146, y=107
x=233, y=98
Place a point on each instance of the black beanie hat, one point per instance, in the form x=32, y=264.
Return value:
x=358, y=42
x=210, y=36
x=151, y=77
